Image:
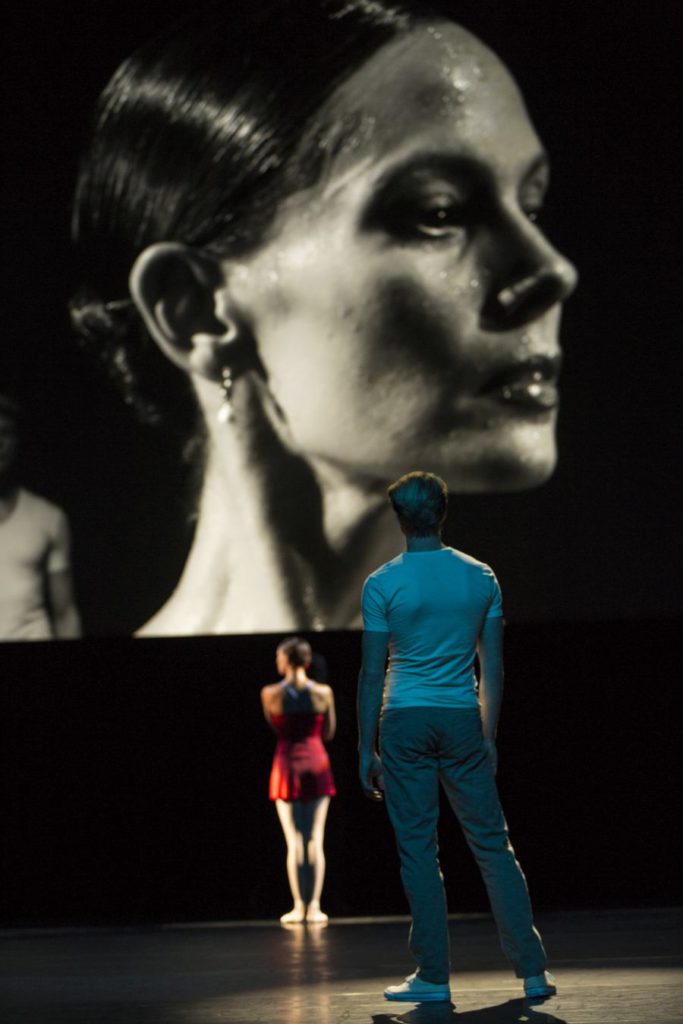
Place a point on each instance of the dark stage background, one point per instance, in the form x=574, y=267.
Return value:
x=135, y=771
x=136, y=780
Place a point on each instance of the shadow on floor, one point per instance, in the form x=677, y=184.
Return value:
x=515, y=1011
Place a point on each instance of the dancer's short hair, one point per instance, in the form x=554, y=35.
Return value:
x=420, y=501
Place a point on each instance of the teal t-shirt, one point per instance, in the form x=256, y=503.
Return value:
x=433, y=605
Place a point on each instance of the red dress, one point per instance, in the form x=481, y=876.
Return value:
x=301, y=768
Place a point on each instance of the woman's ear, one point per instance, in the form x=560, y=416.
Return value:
x=174, y=288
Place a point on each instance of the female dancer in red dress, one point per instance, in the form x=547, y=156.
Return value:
x=302, y=714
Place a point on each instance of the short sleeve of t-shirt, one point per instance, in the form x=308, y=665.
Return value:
x=495, y=609
x=373, y=607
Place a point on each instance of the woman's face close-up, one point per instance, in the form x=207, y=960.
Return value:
x=406, y=308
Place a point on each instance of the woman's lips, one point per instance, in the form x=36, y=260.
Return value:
x=531, y=384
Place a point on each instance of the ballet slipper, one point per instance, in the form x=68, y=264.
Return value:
x=314, y=915
x=295, y=916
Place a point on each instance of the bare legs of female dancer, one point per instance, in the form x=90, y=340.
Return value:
x=303, y=823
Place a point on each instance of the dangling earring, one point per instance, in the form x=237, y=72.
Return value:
x=226, y=413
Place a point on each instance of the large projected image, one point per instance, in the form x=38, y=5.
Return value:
x=309, y=251
x=331, y=234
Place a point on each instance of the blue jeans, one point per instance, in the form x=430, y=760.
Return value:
x=421, y=747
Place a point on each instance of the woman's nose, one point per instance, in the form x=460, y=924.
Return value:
x=533, y=277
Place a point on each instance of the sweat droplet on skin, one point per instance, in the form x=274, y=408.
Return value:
x=456, y=92
x=462, y=68
x=522, y=351
x=360, y=131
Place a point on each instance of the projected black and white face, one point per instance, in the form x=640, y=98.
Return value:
x=407, y=307
x=402, y=313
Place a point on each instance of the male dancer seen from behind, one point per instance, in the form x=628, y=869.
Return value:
x=432, y=609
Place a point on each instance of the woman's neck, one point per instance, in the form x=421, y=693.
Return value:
x=262, y=565
x=297, y=678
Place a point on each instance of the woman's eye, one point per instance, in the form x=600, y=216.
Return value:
x=414, y=216
x=439, y=219
x=532, y=199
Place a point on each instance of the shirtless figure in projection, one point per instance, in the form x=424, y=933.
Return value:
x=36, y=591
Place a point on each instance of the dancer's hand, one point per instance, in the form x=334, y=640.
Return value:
x=371, y=775
x=492, y=754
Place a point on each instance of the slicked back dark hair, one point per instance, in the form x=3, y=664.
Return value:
x=198, y=139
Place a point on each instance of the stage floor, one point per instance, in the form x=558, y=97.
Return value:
x=612, y=967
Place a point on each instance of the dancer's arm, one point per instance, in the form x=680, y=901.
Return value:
x=330, y=725
x=59, y=589
x=490, y=651
x=267, y=703
x=66, y=622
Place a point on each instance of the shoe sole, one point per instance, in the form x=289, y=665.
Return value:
x=413, y=997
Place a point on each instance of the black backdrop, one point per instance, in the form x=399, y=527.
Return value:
x=135, y=770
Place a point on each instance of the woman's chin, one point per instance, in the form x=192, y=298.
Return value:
x=512, y=460
x=500, y=475
x=507, y=479
x=499, y=467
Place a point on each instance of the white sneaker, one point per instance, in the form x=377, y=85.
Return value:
x=540, y=985
x=414, y=990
